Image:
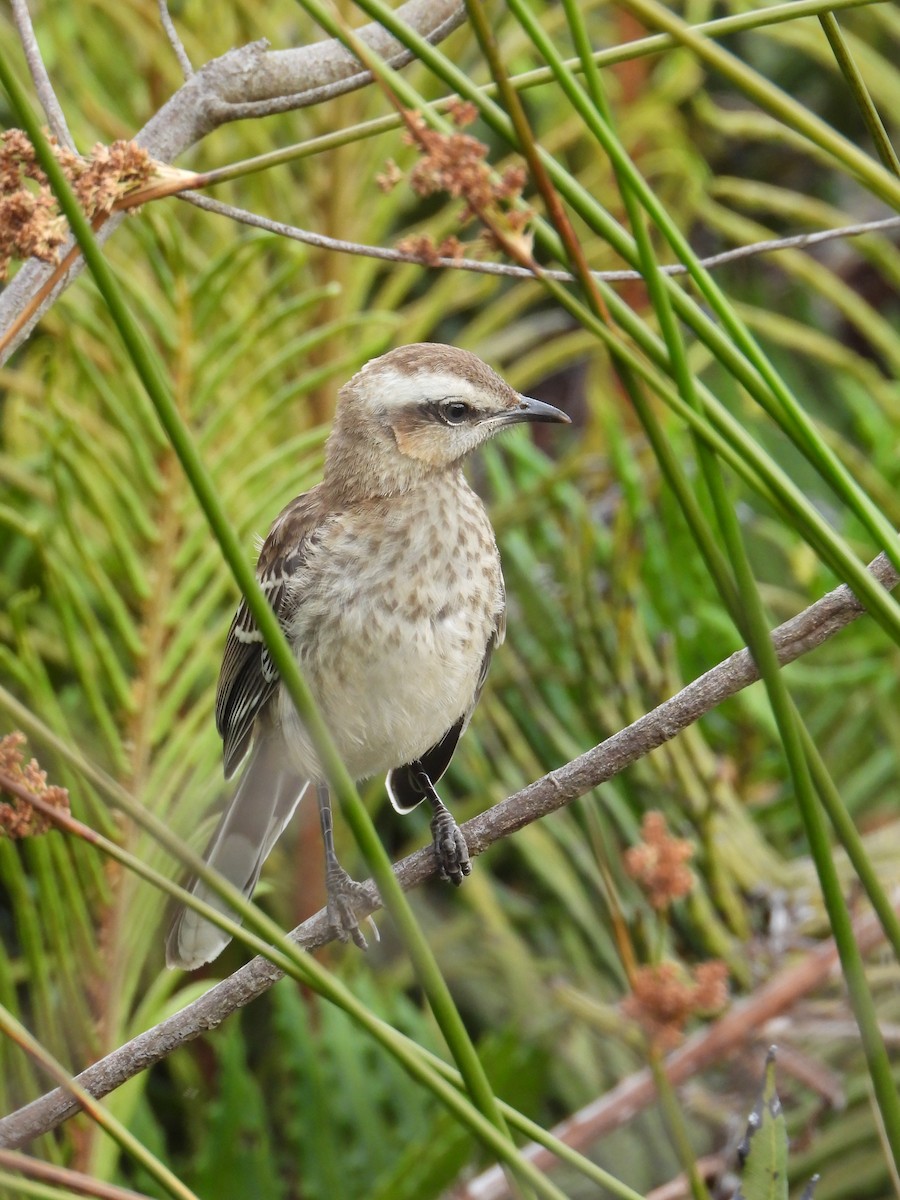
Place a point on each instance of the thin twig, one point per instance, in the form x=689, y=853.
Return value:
x=174, y=40
x=42, y=85
x=64, y=1177
x=793, y=639
x=217, y=94
x=556, y=210
x=711, y=1167
x=798, y=242
x=249, y=79
x=388, y=254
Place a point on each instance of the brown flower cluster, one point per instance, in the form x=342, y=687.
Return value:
x=31, y=225
x=659, y=862
x=389, y=177
x=665, y=996
x=30, y=222
x=18, y=818
x=428, y=251
x=455, y=163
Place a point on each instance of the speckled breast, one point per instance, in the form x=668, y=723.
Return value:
x=399, y=600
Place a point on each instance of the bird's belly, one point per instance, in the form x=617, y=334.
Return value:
x=389, y=686
x=407, y=697
x=397, y=606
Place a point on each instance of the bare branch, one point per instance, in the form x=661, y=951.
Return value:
x=174, y=40
x=252, y=82
x=793, y=639
x=74, y=1182
x=249, y=81
x=799, y=241
x=476, y=266
x=42, y=85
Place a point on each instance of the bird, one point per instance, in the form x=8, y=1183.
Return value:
x=386, y=580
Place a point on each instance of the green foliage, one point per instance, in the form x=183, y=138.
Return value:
x=114, y=599
x=763, y=1152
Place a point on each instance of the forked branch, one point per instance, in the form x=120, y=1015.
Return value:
x=251, y=81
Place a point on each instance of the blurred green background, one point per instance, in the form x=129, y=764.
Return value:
x=114, y=604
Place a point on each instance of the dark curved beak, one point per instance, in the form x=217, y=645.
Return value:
x=534, y=410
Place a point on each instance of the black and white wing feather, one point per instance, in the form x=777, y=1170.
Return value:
x=248, y=678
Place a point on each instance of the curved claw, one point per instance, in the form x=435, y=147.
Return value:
x=344, y=895
x=450, y=847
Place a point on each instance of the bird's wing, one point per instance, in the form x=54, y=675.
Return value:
x=248, y=676
x=403, y=787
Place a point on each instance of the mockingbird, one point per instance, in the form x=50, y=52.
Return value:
x=386, y=580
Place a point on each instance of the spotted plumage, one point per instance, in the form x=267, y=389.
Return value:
x=386, y=580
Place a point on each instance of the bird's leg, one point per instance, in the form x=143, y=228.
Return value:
x=450, y=847
x=343, y=892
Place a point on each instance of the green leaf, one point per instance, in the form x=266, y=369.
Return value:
x=763, y=1152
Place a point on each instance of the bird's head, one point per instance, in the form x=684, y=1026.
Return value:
x=419, y=410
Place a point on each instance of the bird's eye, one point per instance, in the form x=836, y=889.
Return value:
x=454, y=412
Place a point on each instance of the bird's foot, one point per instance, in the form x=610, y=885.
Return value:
x=345, y=895
x=450, y=847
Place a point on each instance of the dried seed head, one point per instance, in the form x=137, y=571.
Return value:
x=456, y=163
x=31, y=225
x=18, y=818
x=658, y=863
x=666, y=995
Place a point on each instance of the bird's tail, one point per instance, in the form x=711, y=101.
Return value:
x=250, y=826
